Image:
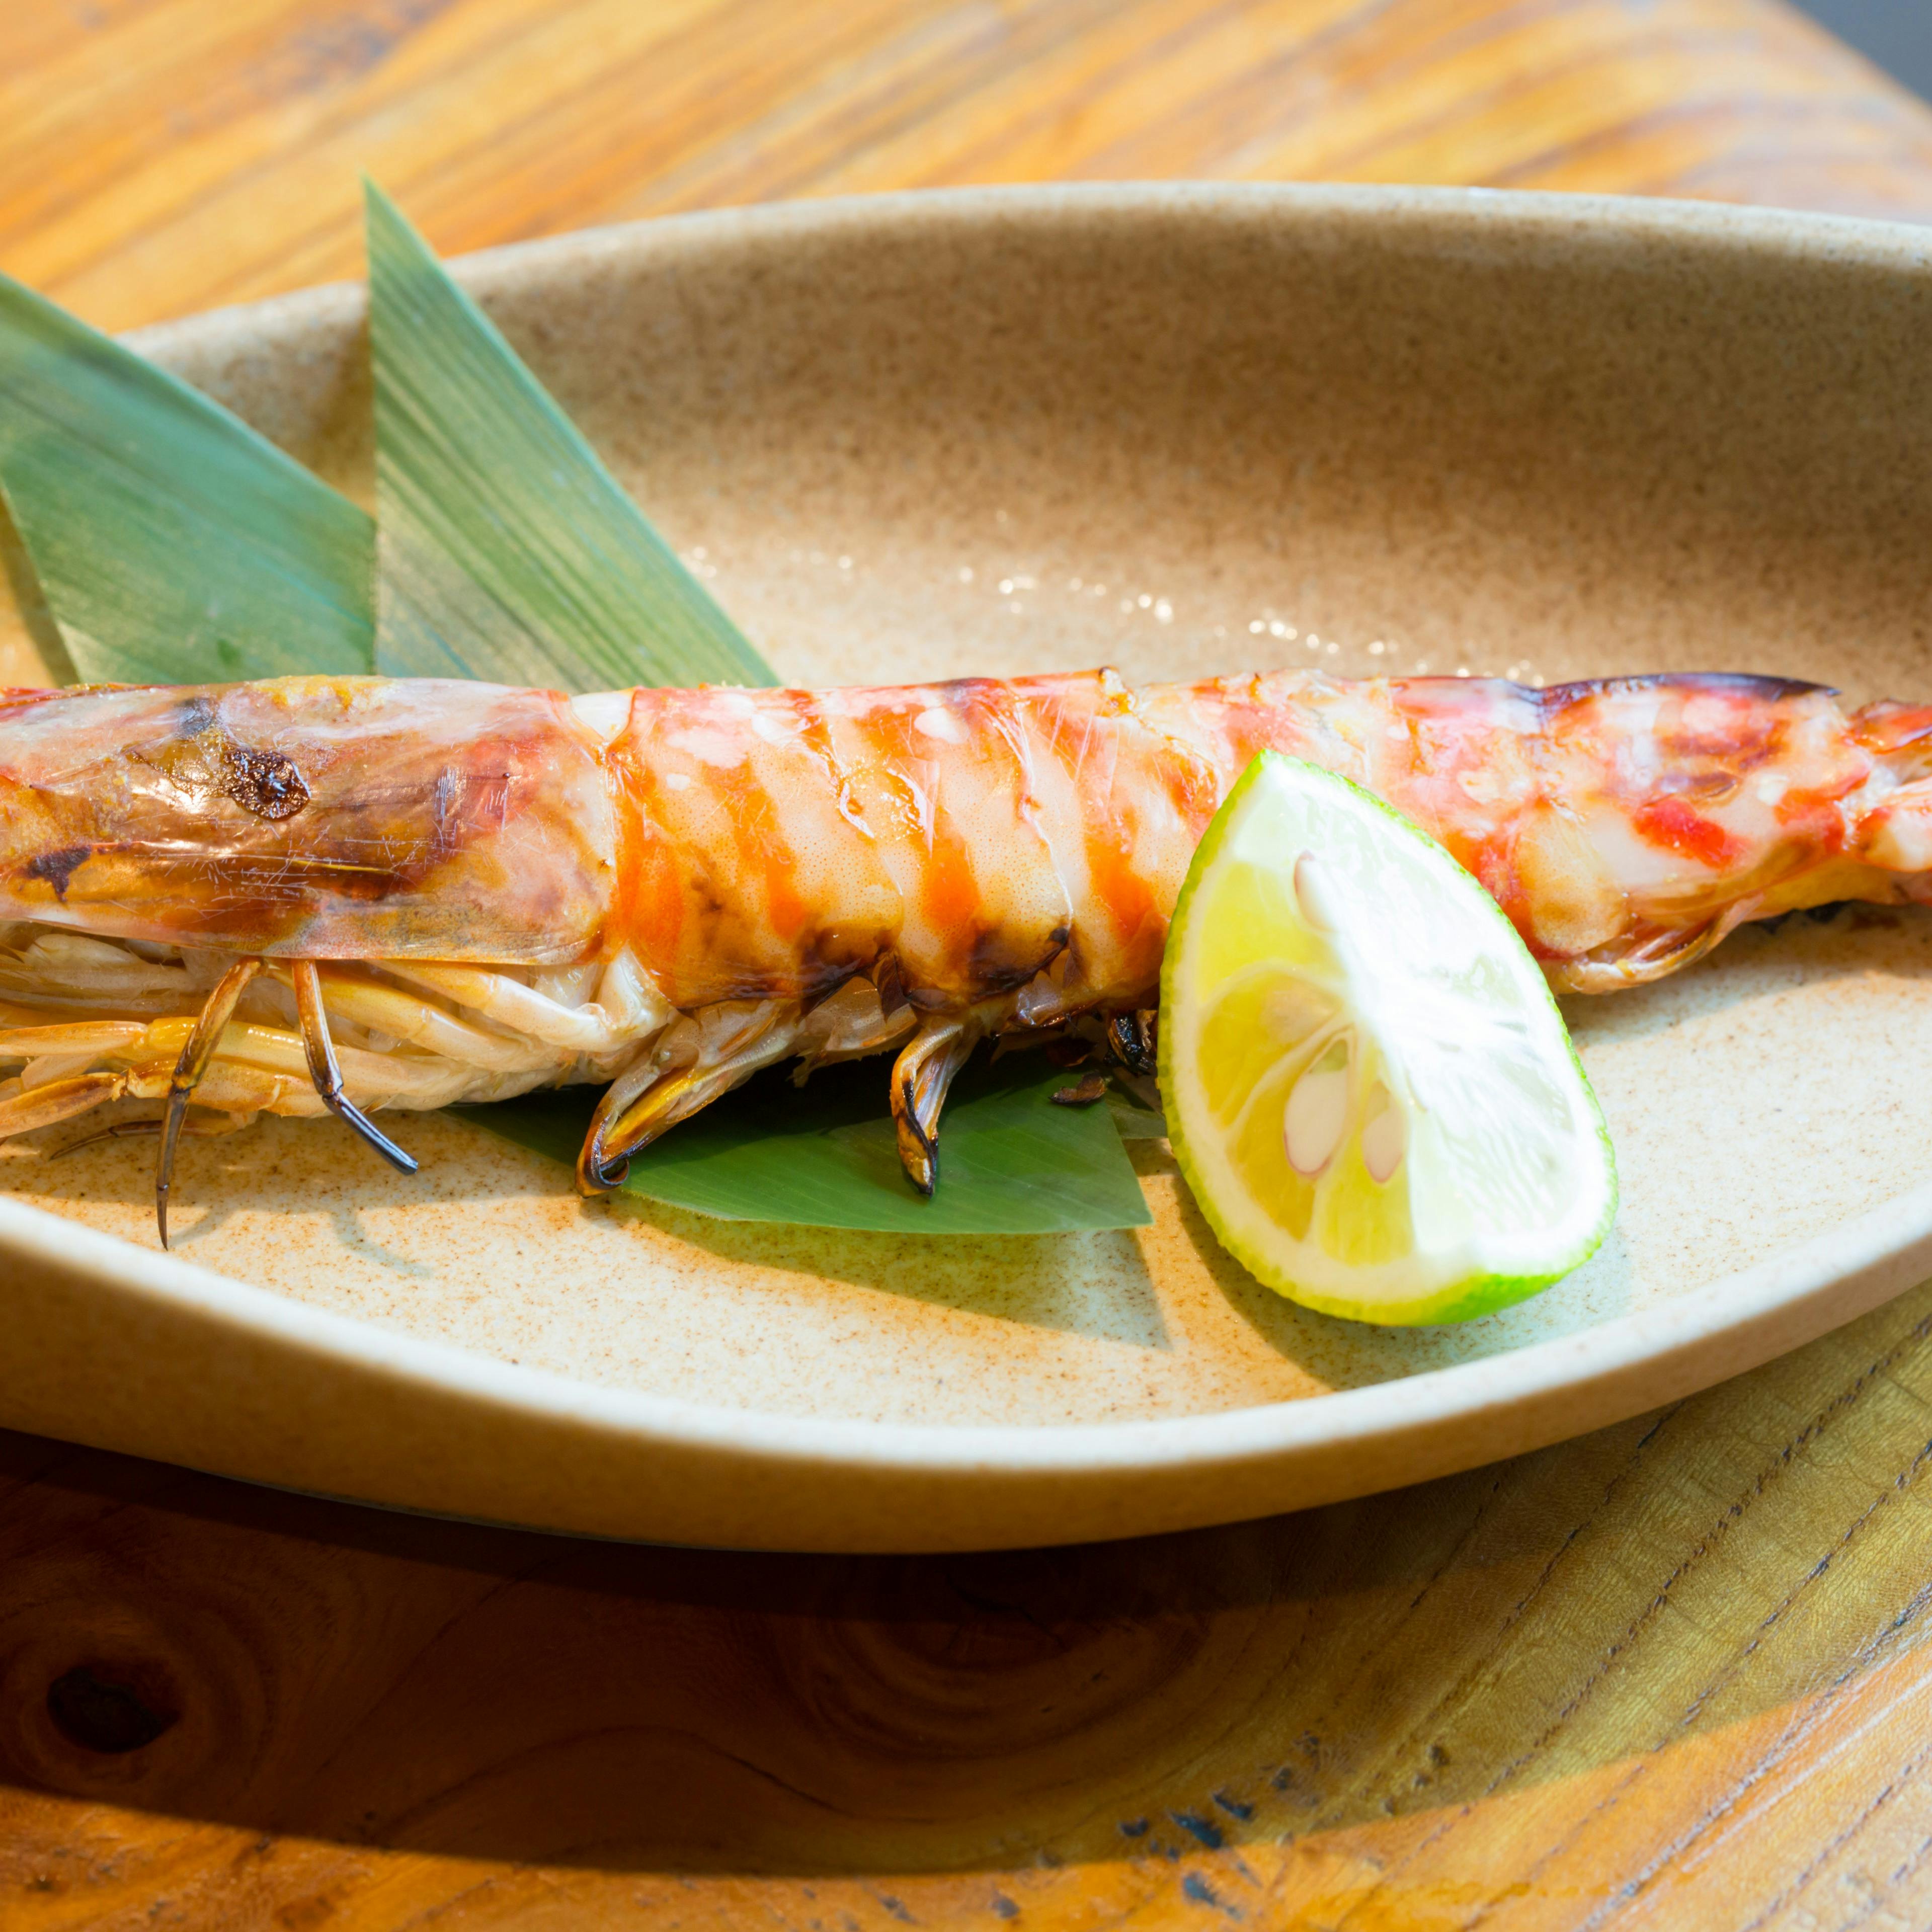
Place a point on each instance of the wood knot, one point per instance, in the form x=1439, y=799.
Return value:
x=110, y=1710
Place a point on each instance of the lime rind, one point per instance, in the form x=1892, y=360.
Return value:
x=1489, y=1266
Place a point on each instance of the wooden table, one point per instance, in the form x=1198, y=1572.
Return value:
x=1674, y=1674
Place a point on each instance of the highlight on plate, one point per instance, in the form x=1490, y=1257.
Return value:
x=366, y=890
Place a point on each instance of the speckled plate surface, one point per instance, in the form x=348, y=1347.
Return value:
x=1182, y=431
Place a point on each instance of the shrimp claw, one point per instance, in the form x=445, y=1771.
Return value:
x=195, y=1056
x=325, y=1073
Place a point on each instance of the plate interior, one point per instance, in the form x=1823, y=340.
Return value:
x=1187, y=433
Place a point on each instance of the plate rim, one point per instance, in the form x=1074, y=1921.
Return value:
x=1589, y=218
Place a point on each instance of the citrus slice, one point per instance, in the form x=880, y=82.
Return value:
x=1368, y=1085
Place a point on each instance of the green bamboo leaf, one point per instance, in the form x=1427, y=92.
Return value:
x=507, y=550
x=173, y=544
x=1134, y=1122
x=1011, y=1162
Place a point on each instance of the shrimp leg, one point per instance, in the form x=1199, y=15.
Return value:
x=128, y=1130
x=924, y=1072
x=189, y=1069
x=327, y=1075
x=698, y=1060
x=59, y=1100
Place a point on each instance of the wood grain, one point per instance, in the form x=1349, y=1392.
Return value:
x=1674, y=1674
x=162, y=156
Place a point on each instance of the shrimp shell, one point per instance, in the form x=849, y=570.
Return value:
x=664, y=889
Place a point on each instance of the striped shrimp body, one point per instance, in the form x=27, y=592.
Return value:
x=360, y=895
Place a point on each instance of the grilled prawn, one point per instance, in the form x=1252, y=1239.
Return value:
x=354, y=895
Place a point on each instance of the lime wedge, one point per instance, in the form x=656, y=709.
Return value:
x=1368, y=1085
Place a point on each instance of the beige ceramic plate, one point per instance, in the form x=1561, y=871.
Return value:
x=1184, y=431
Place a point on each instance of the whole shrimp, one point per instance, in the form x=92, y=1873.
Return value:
x=360, y=894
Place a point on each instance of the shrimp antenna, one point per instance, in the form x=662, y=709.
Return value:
x=189, y=1069
x=327, y=1076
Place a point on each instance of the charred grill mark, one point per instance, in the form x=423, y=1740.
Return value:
x=1130, y=1037
x=725, y=953
x=202, y=761
x=267, y=784
x=835, y=957
x=57, y=868
x=1072, y=961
